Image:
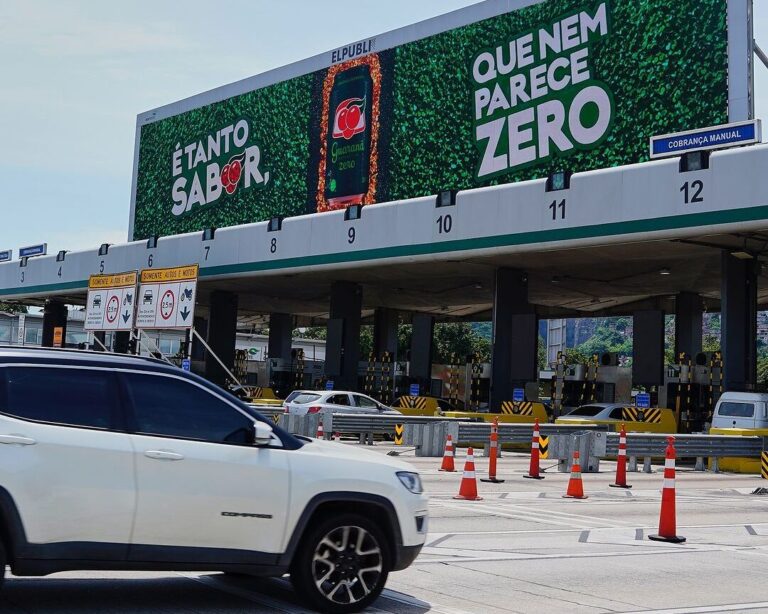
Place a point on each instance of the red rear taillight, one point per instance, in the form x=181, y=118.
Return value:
x=285, y=409
x=314, y=409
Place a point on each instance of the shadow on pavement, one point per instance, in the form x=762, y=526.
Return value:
x=138, y=593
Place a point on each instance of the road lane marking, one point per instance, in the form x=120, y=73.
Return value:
x=612, y=523
x=528, y=517
x=731, y=607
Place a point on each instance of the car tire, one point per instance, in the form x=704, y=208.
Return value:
x=3, y=563
x=347, y=577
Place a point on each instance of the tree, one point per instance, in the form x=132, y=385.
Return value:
x=458, y=340
x=574, y=356
x=762, y=372
x=311, y=332
x=711, y=342
x=12, y=307
x=541, y=354
x=607, y=340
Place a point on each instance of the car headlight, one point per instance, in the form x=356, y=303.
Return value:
x=411, y=481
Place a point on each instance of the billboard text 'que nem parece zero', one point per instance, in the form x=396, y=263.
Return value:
x=563, y=84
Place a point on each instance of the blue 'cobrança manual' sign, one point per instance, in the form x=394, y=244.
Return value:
x=716, y=137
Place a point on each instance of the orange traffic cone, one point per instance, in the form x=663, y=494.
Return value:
x=320, y=434
x=533, y=470
x=621, y=461
x=667, y=520
x=468, y=488
x=448, y=456
x=575, y=487
x=494, y=449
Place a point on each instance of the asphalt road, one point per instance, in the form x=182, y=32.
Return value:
x=523, y=548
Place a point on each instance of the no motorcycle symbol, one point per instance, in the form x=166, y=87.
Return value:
x=167, y=304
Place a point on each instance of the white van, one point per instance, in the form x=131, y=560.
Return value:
x=742, y=410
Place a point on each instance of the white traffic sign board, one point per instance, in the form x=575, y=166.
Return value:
x=167, y=297
x=111, y=303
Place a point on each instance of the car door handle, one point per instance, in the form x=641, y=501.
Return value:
x=19, y=440
x=163, y=455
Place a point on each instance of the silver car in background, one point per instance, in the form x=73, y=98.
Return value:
x=303, y=402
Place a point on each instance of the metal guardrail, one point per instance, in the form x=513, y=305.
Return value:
x=428, y=435
x=517, y=433
x=686, y=446
x=365, y=425
x=271, y=412
x=648, y=446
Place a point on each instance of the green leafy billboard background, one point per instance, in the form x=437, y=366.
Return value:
x=664, y=61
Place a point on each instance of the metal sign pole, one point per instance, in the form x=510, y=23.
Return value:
x=154, y=349
x=212, y=353
x=103, y=347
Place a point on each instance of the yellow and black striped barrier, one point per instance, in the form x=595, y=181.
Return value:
x=413, y=402
x=764, y=465
x=399, y=429
x=518, y=408
x=651, y=415
x=543, y=447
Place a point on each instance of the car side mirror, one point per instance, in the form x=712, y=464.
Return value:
x=262, y=434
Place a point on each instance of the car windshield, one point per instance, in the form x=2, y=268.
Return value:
x=303, y=397
x=363, y=401
x=736, y=410
x=587, y=410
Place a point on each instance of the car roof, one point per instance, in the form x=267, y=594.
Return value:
x=329, y=392
x=602, y=405
x=744, y=396
x=15, y=354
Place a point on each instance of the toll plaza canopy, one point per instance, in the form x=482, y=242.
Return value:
x=493, y=162
x=613, y=241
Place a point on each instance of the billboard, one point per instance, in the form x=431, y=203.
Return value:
x=559, y=84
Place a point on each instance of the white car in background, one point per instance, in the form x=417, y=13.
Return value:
x=303, y=402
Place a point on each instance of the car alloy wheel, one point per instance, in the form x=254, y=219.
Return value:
x=347, y=565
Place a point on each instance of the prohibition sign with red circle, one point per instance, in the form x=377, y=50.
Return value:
x=113, y=308
x=166, y=305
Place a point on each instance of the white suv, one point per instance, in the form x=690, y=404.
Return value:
x=113, y=462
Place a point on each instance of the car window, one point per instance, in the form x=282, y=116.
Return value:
x=365, y=402
x=77, y=397
x=303, y=398
x=736, y=410
x=172, y=407
x=338, y=399
x=587, y=410
x=617, y=413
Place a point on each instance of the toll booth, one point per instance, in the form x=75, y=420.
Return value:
x=601, y=380
x=477, y=387
x=382, y=378
x=285, y=376
x=693, y=386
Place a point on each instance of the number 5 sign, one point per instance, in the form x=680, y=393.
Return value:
x=166, y=297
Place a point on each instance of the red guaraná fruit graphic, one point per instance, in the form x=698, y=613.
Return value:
x=349, y=119
x=231, y=173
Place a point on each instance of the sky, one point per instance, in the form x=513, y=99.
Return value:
x=75, y=74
